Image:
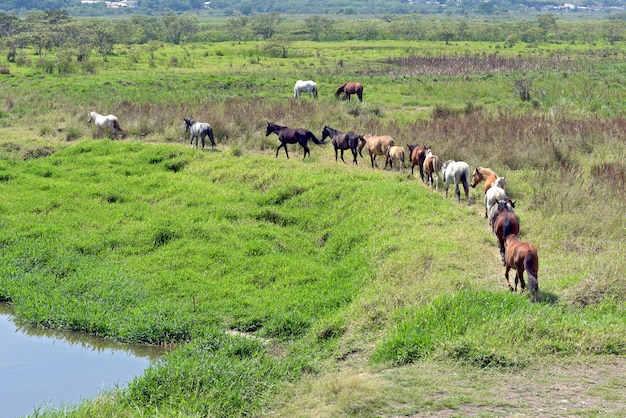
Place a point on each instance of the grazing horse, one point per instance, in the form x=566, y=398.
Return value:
x=351, y=87
x=506, y=223
x=308, y=86
x=108, y=122
x=396, y=154
x=492, y=196
x=521, y=256
x=483, y=174
x=507, y=205
x=457, y=172
x=199, y=130
x=432, y=166
x=417, y=155
x=342, y=141
x=376, y=145
x=291, y=136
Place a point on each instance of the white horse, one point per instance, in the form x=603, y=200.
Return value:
x=500, y=182
x=108, y=122
x=492, y=196
x=308, y=86
x=456, y=171
x=199, y=130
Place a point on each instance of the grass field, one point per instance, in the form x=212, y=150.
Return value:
x=317, y=288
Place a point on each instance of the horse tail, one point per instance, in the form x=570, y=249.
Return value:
x=531, y=265
x=116, y=126
x=314, y=138
x=211, y=137
x=340, y=89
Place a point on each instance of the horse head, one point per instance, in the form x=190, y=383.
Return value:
x=476, y=177
x=91, y=117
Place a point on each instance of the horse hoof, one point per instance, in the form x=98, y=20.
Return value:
x=511, y=288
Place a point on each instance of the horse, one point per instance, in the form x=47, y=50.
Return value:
x=457, y=172
x=521, y=256
x=492, y=196
x=396, y=154
x=351, y=87
x=417, y=155
x=108, y=122
x=432, y=166
x=376, y=145
x=502, y=205
x=483, y=174
x=199, y=130
x=499, y=182
x=288, y=135
x=342, y=141
x=308, y=86
x=506, y=223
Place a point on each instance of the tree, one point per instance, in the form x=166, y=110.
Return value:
x=317, y=25
x=266, y=25
x=179, y=28
x=238, y=28
x=103, y=37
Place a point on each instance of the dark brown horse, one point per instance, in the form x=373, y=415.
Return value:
x=351, y=87
x=417, y=155
x=522, y=256
x=506, y=223
x=342, y=141
x=292, y=136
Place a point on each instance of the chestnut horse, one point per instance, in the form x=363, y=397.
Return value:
x=432, y=166
x=522, y=256
x=350, y=87
x=417, y=155
x=506, y=223
x=483, y=174
x=376, y=145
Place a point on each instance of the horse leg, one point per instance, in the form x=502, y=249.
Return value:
x=278, y=149
x=202, y=137
x=506, y=275
x=342, y=157
x=372, y=157
x=306, y=151
x=336, y=155
x=354, y=161
x=457, y=192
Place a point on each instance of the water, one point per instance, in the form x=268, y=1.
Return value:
x=42, y=369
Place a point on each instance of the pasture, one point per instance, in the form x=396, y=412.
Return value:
x=313, y=287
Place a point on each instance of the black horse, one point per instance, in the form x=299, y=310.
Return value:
x=288, y=135
x=342, y=141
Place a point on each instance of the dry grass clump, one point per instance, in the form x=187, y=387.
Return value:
x=494, y=63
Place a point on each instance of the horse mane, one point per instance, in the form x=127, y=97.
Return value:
x=340, y=89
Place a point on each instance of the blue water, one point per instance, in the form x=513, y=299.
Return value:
x=49, y=370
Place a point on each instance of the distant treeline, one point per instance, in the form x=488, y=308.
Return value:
x=76, y=39
x=300, y=7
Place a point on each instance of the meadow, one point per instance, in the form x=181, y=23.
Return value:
x=310, y=287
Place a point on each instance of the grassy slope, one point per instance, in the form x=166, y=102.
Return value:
x=334, y=265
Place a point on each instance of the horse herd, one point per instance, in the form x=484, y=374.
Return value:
x=499, y=208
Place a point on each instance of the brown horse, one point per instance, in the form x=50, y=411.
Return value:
x=522, y=256
x=506, y=223
x=432, y=166
x=376, y=145
x=417, y=155
x=350, y=87
x=483, y=174
x=342, y=141
x=292, y=136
